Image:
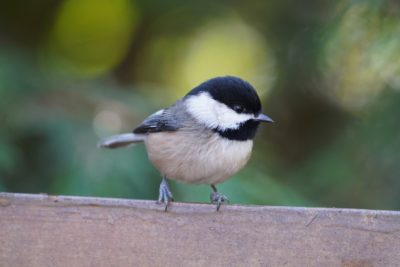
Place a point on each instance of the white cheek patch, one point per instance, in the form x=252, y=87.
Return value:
x=214, y=114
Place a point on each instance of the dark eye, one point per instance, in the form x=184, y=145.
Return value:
x=238, y=108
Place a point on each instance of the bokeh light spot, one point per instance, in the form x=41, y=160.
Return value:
x=106, y=123
x=228, y=47
x=362, y=57
x=92, y=36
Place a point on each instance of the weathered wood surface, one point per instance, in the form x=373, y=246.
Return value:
x=41, y=230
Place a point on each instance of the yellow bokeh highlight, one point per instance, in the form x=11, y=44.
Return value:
x=92, y=36
x=228, y=47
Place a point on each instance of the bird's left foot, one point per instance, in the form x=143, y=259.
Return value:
x=217, y=198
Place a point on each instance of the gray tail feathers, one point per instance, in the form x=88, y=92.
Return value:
x=121, y=140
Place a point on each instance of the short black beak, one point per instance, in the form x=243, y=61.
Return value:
x=263, y=118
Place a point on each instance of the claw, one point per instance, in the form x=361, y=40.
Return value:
x=165, y=195
x=217, y=198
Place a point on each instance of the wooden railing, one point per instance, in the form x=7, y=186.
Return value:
x=42, y=230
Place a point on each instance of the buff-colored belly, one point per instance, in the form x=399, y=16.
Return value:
x=211, y=162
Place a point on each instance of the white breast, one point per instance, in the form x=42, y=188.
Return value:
x=211, y=162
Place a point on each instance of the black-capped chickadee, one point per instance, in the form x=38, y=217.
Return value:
x=204, y=138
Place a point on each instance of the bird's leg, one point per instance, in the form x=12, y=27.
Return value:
x=217, y=198
x=165, y=195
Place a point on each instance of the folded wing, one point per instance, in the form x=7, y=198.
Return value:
x=162, y=121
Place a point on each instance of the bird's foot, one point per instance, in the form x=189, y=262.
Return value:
x=165, y=195
x=218, y=199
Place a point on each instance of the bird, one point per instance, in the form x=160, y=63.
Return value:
x=205, y=137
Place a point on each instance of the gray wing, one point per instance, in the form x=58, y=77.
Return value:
x=161, y=121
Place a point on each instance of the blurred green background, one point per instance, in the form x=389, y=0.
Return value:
x=328, y=72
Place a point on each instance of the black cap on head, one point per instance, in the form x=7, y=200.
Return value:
x=233, y=92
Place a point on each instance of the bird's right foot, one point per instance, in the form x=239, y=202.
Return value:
x=165, y=195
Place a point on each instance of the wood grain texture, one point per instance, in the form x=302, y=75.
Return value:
x=41, y=230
